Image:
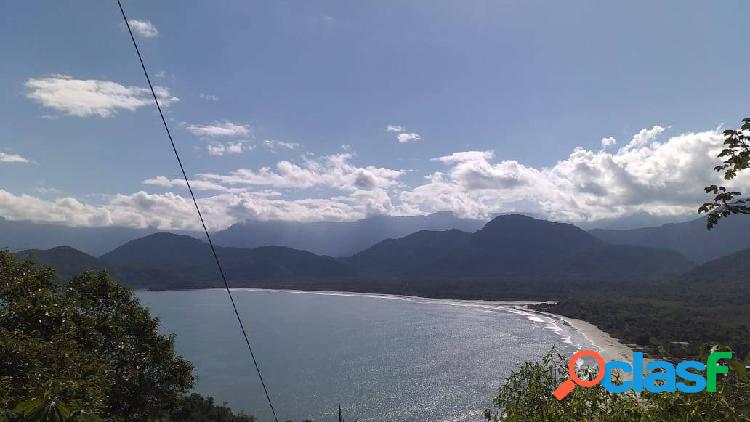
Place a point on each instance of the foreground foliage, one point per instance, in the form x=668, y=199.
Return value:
x=87, y=350
x=735, y=158
x=527, y=395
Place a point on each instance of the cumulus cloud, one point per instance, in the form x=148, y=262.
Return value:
x=644, y=176
x=408, y=137
x=608, y=142
x=333, y=171
x=143, y=28
x=197, y=185
x=273, y=144
x=644, y=137
x=219, y=129
x=170, y=211
x=228, y=148
x=401, y=135
x=652, y=174
x=12, y=158
x=81, y=98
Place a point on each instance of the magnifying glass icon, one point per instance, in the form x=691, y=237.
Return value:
x=568, y=385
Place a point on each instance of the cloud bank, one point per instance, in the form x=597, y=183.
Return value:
x=652, y=174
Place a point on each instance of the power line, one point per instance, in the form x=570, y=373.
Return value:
x=200, y=215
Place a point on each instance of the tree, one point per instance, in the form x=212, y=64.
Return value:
x=527, y=395
x=88, y=345
x=736, y=158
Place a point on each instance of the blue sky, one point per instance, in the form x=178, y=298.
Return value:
x=282, y=109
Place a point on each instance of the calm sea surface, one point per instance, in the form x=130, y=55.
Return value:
x=381, y=357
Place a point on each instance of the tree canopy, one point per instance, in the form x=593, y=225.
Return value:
x=527, y=395
x=86, y=350
x=736, y=158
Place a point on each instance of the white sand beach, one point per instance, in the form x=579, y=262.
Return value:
x=609, y=347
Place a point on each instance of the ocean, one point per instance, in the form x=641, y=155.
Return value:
x=381, y=357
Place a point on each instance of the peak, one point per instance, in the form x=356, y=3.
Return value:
x=513, y=219
x=167, y=235
x=65, y=249
x=515, y=227
x=162, y=238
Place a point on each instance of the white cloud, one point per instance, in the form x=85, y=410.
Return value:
x=644, y=137
x=273, y=144
x=143, y=28
x=12, y=158
x=209, y=97
x=228, y=148
x=402, y=136
x=408, y=137
x=197, y=185
x=82, y=98
x=169, y=211
x=333, y=171
x=608, y=142
x=219, y=129
x=659, y=178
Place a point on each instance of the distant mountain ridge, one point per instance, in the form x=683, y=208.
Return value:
x=516, y=245
x=690, y=238
x=178, y=261
x=333, y=238
x=508, y=248
x=22, y=235
x=337, y=238
x=729, y=273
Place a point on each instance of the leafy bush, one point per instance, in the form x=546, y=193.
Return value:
x=527, y=395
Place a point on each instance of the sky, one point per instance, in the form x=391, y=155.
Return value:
x=581, y=111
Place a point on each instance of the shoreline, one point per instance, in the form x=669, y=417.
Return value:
x=609, y=347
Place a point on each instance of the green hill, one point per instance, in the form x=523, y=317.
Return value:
x=65, y=260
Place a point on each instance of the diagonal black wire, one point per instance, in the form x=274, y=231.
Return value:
x=200, y=215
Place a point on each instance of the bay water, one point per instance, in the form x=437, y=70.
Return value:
x=381, y=357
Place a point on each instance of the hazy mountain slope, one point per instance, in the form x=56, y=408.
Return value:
x=411, y=254
x=337, y=238
x=165, y=260
x=65, y=260
x=517, y=245
x=635, y=262
x=689, y=238
x=730, y=270
x=21, y=235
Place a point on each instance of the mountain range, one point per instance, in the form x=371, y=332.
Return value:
x=337, y=238
x=516, y=246
x=508, y=247
x=342, y=239
x=690, y=238
x=334, y=238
